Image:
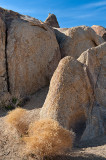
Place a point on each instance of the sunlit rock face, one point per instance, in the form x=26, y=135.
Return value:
x=31, y=53
x=101, y=31
x=73, y=41
x=52, y=21
x=77, y=93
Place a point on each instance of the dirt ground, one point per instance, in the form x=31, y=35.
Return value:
x=12, y=147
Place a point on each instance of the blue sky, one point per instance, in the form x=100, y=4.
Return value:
x=69, y=13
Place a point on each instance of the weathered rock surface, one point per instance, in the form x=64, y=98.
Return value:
x=95, y=60
x=73, y=41
x=101, y=31
x=77, y=93
x=3, y=72
x=52, y=21
x=70, y=95
x=29, y=55
x=8, y=15
x=32, y=53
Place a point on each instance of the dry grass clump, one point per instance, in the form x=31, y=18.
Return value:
x=47, y=138
x=16, y=119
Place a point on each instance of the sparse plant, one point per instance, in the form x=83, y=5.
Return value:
x=9, y=102
x=9, y=107
x=14, y=100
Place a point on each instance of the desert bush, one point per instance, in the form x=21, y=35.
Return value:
x=47, y=138
x=16, y=119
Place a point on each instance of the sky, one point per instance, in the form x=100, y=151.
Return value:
x=69, y=13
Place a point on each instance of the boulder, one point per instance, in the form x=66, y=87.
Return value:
x=73, y=41
x=52, y=21
x=95, y=60
x=70, y=96
x=32, y=53
x=76, y=97
x=101, y=31
x=8, y=16
x=3, y=71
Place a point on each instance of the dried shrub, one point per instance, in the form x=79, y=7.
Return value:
x=16, y=119
x=47, y=138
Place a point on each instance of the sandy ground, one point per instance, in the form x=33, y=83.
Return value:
x=12, y=147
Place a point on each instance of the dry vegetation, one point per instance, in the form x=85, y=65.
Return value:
x=16, y=119
x=44, y=137
x=13, y=148
x=47, y=137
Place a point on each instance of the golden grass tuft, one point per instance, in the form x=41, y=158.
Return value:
x=16, y=119
x=47, y=138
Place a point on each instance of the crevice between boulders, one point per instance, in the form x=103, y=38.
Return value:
x=6, y=61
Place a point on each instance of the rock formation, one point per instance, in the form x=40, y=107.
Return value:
x=95, y=60
x=70, y=95
x=52, y=21
x=101, y=31
x=30, y=55
x=77, y=93
x=73, y=41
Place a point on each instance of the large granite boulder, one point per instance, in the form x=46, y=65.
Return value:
x=73, y=41
x=52, y=21
x=32, y=53
x=70, y=95
x=95, y=60
x=76, y=97
x=101, y=31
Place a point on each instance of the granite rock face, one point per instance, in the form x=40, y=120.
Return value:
x=32, y=53
x=52, y=21
x=73, y=41
x=101, y=31
x=77, y=93
x=95, y=60
x=70, y=95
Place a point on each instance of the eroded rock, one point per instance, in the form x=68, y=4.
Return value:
x=32, y=53
x=77, y=93
x=101, y=31
x=70, y=95
x=73, y=41
x=95, y=60
x=52, y=21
